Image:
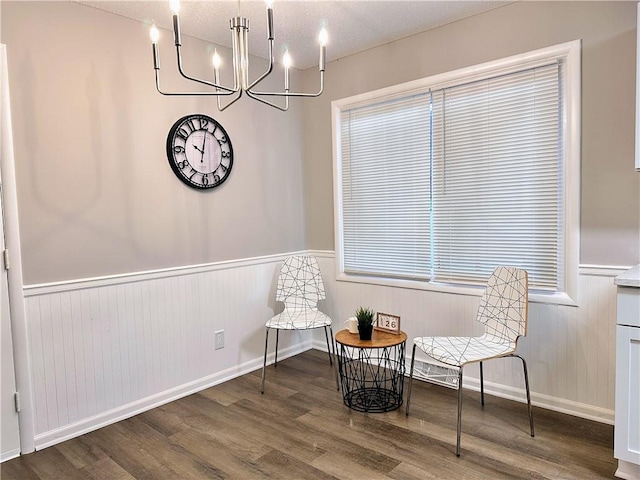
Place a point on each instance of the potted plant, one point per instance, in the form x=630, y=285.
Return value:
x=365, y=322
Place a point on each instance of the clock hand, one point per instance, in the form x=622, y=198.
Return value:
x=204, y=140
x=196, y=147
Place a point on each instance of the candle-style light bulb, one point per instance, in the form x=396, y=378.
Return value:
x=323, y=37
x=269, y=4
x=216, y=60
x=154, y=34
x=175, y=9
x=286, y=60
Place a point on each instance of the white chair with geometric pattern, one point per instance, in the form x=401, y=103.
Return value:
x=503, y=311
x=300, y=287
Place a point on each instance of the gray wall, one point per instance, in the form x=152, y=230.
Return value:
x=610, y=206
x=96, y=194
x=95, y=191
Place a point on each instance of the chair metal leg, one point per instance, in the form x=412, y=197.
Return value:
x=264, y=363
x=459, y=412
x=333, y=347
x=526, y=384
x=275, y=364
x=326, y=335
x=413, y=359
x=481, y=386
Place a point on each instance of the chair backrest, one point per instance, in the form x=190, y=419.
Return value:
x=300, y=282
x=504, y=305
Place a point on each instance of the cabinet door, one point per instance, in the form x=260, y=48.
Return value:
x=627, y=428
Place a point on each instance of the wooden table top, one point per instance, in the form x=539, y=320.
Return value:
x=379, y=339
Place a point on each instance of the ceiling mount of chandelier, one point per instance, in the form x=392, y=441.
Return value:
x=239, y=27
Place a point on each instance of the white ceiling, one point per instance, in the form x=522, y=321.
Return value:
x=353, y=25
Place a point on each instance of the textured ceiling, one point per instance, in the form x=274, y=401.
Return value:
x=353, y=25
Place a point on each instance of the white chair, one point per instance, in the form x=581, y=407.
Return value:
x=503, y=311
x=300, y=287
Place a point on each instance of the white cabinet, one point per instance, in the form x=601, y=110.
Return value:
x=627, y=422
x=627, y=429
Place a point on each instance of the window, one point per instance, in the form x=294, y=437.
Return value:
x=440, y=180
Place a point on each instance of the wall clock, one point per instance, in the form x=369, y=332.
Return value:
x=199, y=151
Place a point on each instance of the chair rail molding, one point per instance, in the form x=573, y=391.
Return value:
x=83, y=283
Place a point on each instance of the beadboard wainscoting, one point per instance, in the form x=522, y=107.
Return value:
x=106, y=349
x=570, y=351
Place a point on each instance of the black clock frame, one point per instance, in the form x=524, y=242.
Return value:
x=174, y=132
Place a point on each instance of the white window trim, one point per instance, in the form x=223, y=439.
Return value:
x=570, y=52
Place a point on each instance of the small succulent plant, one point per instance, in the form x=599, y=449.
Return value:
x=364, y=315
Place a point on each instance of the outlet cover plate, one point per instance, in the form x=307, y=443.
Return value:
x=219, y=339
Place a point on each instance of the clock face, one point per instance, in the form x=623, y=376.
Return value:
x=199, y=151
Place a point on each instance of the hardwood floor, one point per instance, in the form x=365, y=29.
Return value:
x=300, y=429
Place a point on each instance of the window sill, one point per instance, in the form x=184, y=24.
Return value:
x=557, y=298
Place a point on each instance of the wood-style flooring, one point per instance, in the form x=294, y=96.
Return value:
x=300, y=429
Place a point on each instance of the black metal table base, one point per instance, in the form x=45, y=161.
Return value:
x=372, y=379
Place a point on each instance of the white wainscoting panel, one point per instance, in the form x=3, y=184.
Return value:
x=103, y=350
x=570, y=351
x=106, y=349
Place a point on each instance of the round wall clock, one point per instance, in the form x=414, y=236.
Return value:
x=199, y=151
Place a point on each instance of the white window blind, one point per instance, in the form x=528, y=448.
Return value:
x=385, y=155
x=447, y=184
x=497, y=196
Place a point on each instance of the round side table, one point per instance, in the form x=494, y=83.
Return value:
x=371, y=371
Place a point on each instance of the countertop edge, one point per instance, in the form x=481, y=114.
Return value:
x=630, y=278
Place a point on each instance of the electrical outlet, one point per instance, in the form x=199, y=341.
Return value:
x=219, y=339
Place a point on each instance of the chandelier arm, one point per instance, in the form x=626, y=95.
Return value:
x=234, y=100
x=204, y=82
x=279, y=107
x=291, y=94
x=269, y=70
x=183, y=94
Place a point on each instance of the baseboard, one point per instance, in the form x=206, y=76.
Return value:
x=627, y=470
x=9, y=455
x=577, y=409
x=134, y=408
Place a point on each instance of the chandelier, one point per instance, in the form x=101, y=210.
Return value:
x=239, y=27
